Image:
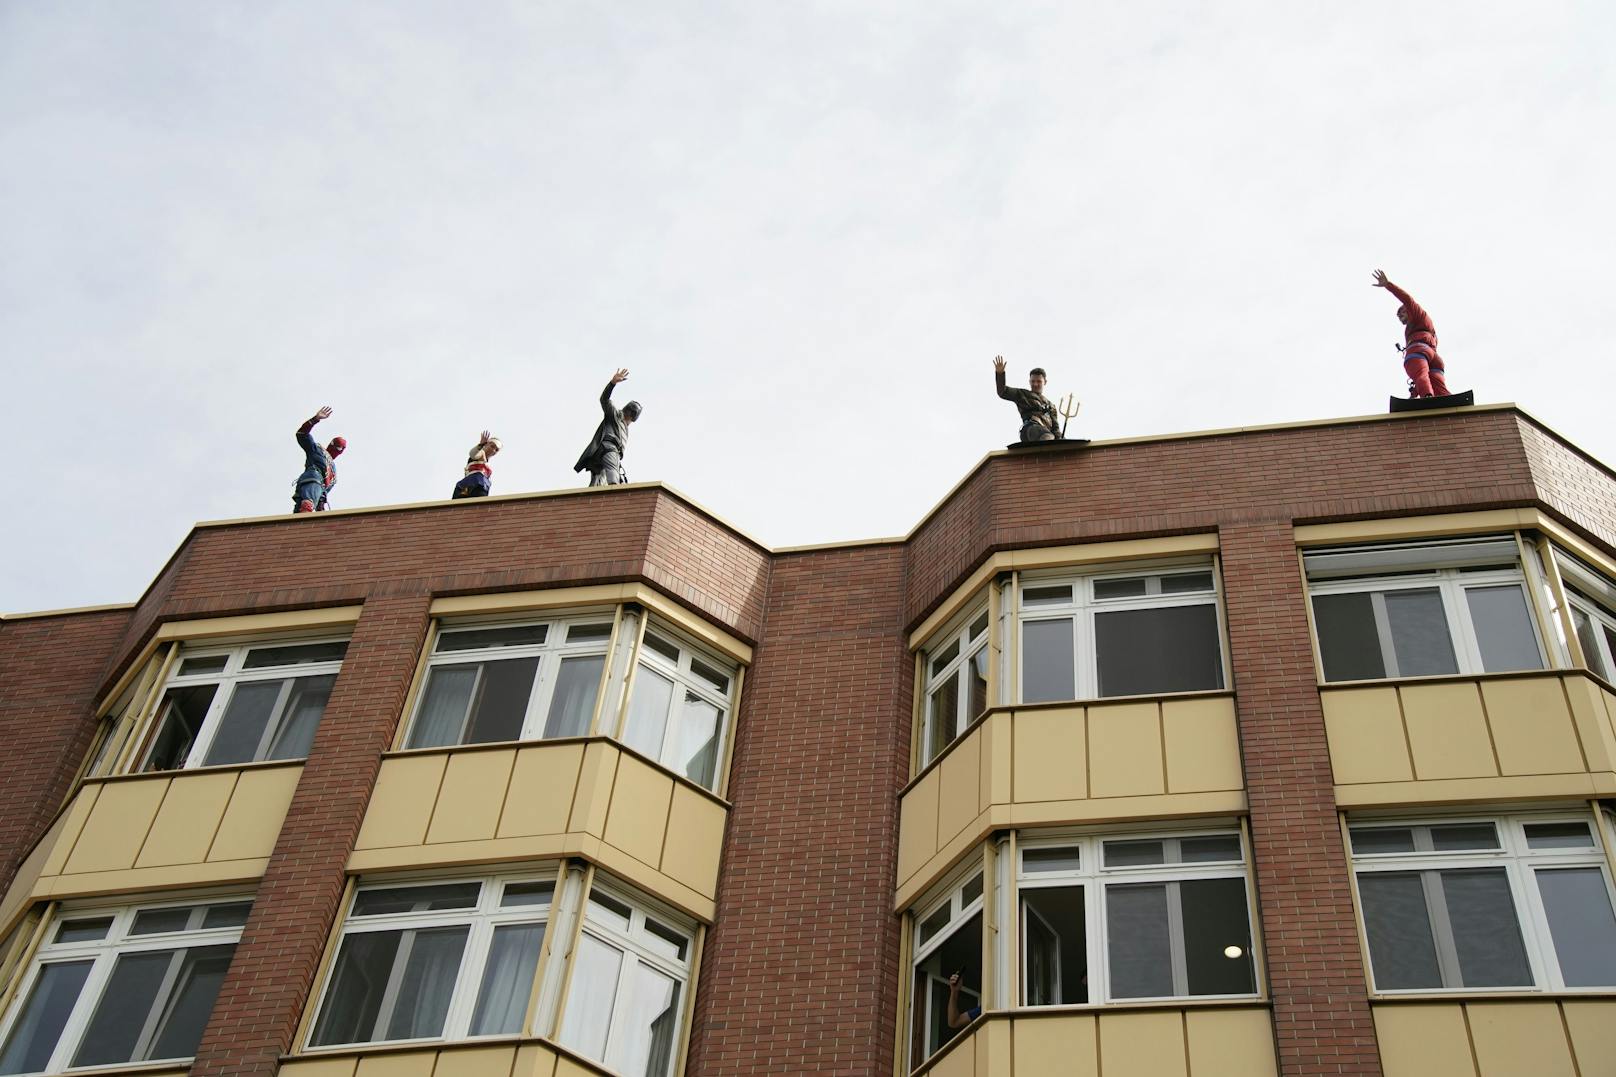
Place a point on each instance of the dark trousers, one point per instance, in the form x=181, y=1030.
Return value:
x=608, y=470
x=309, y=492
x=473, y=485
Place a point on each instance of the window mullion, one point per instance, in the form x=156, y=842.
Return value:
x=210, y=723
x=277, y=717
x=159, y=1006
x=1436, y=908
x=395, y=980
x=1175, y=937
x=1383, y=632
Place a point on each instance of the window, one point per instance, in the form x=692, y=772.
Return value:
x=244, y=704
x=629, y=974
x=947, y=940
x=1130, y=918
x=512, y=682
x=1421, y=611
x=1592, y=598
x=1520, y=902
x=118, y=985
x=679, y=707
x=1096, y=636
x=956, y=683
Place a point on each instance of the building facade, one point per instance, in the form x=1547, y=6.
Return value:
x=1284, y=751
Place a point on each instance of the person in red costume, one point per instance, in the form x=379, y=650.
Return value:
x=1426, y=373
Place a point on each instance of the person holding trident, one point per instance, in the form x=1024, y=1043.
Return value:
x=1424, y=367
x=1039, y=419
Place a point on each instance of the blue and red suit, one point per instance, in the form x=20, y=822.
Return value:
x=319, y=473
x=1425, y=369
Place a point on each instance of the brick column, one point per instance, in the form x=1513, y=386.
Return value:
x=1322, y=1022
x=263, y=995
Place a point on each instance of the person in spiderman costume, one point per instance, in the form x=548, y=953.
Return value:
x=479, y=477
x=1426, y=372
x=319, y=472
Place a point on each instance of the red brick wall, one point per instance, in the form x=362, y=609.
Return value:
x=1578, y=487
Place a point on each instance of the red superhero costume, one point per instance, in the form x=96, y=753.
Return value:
x=1426, y=372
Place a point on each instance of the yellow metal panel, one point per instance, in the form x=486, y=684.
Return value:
x=1203, y=748
x=961, y=773
x=1591, y=715
x=534, y=1060
x=257, y=808
x=1531, y=726
x=185, y=824
x=113, y=834
x=1062, y=1044
x=1407, y=527
x=20, y=893
x=1447, y=731
x=917, y=827
x=543, y=782
x=1125, y=750
x=638, y=818
x=1593, y=1033
x=959, y=1062
x=695, y=840
x=1124, y=809
x=257, y=624
x=1050, y=759
x=1365, y=727
x=993, y=1047
x=594, y=796
x=475, y=1061
x=71, y=826
x=319, y=1067
x=470, y=797
x=997, y=759
x=133, y=880
x=1519, y=1038
x=566, y=1067
x=1230, y=1043
x=404, y=1064
x=1472, y=790
x=401, y=804
x=1142, y=1044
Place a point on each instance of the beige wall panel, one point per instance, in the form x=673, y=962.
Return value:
x=407, y=1064
x=1203, y=748
x=190, y=815
x=596, y=775
x=1532, y=726
x=961, y=787
x=534, y=1060
x=133, y=880
x=318, y=1067
x=993, y=1047
x=1062, y=1044
x=401, y=804
x=257, y=808
x=117, y=828
x=1125, y=751
x=542, y=785
x=566, y=1067
x=1447, y=730
x=1473, y=790
x=72, y=825
x=475, y=1061
x=1365, y=727
x=1124, y=809
x=1519, y=1039
x=1591, y=713
x=1593, y=1034
x=959, y=1062
x=998, y=757
x=632, y=871
x=695, y=840
x=471, y=795
x=1049, y=755
x=917, y=827
x=638, y=817
x=1142, y=1044
x=20, y=894
x=1230, y=1043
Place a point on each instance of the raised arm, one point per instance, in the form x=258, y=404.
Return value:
x=304, y=438
x=998, y=379
x=606, y=394
x=955, y=1018
x=1382, y=281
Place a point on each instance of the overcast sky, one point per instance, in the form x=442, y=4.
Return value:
x=806, y=229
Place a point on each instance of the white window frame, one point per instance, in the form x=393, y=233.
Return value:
x=481, y=919
x=1520, y=864
x=1604, y=624
x=105, y=952
x=1094, y=878
x=958, y=669
x=1083, y=607
x=961, y=909
x=685, y=680
x=228, y=679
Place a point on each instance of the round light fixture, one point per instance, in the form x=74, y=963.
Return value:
x=1233, y=951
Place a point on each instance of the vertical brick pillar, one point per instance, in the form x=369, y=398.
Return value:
x=263, y=995
x=1322, y=1022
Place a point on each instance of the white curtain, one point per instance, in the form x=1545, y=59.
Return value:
x=443, y=712
x=507, y=979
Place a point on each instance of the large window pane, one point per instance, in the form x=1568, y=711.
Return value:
x=646, y=1023
x=648, y=712
x=944, y=716
x=1147, y=652
x=1047, y=671
x=1503, y=627
x=1420, y=636
x=125, y=1004
x=1582, y=925
x=1486, y=930
x=590, y=1000
x=977, y=681
x=246, y=716
x=501, y=702
x=445, y=702
x=1217, y=937
x=573, y=704
x=427, y=984
x=50, y=1003
x=190, y=1002
x=1402, y=949
x=354, y=999
x=183, y=712
x=1349, y=643
x=507, y=979
x=1588, y=636
x=1137, y=935
x=303, y=710
x=1055, y=948
x=961, y=952
x=695, y=748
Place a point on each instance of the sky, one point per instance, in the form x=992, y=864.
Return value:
x=805, y=229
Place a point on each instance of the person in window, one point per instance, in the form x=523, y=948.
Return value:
x=1039, y=420
x=319, y=470
x=1426, y=372
x=479, y=478
x=956, y=1018
x=603, y=459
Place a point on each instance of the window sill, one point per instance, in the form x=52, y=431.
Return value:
x=226, y=768
x=1462, y=678
x=368, y=1050
x=1418, y=998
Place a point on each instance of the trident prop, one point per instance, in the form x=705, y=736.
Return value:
x=1068, y=408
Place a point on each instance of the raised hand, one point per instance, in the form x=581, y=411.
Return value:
x=1380, y=279
x=998, y=363
x=621, y=375
x=485, y=438
x=323, y=413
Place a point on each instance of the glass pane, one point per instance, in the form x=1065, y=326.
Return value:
x=942, y=658
x=592, y=997
x=1217, y=937
x=507, y=979
x=190, y=1003
x=354, y=999
x=213, y=663
x=301, y=717
x=442, y=716
x=648, y=712
x=427, y=983
x=1122, y=854
x=87, y=930
x=1580, y=920
x=300, y=654
x=1348, y=641
x=616, y=911
x=1588, y=636
x=944, y=717
x=39, y=1024
x=712, y=676
x=979, y=627
x=126, y=1002
x=157, y=921
x=695, y=748
x=976, y=680
x=1147, y=652
x=585, y=633
x=1610, y=647
x=1132, y=587
x=523, y=894
x=1558, y=836
x=665, y=940
x=971, y=890
x=1503, y=627
x=1059, y=859
x=643, y=1030
x=934, y=924
x=478, y=638
x=183, y=712
x=1054, y=946
x=233, y=915
x=380, y=902
x=1137, y=933
x=1047, y=670
x=500, y=705
x=1046, y=596
x=246, y=717
x=1368, y=840
x=1186, y=584
x=1420, y=636
x=666, y=648
x=1217, y=847
x=1402, y=949
x=573, y=703
x=1486, y=931
x=1454, y=837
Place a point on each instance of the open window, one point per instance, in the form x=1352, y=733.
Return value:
x=679, y=705
x=1592, y=598
x=956, y=689
x=947, y=942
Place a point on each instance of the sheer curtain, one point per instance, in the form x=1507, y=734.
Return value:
x=591, y=998
x=443, y=712
x=296, y=734
x=428, y=984
x=507, y=979
x=648, y=712
x=573, y=703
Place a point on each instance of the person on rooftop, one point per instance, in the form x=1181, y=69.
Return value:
x=1424, y=367
x=1039, y=419
x=319, y=468
x=479, y=478
x=603, y=459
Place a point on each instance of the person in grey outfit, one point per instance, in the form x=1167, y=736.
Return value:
x=603, y=459
x=1039, y=420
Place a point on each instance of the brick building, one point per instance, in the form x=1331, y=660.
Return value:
x=1214, y=755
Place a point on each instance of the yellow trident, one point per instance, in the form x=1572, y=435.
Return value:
x=1068, y=408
